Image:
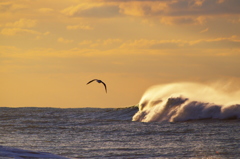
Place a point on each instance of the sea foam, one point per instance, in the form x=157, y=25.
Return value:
x=187, y=101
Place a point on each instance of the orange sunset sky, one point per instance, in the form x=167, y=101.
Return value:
x=50, y=49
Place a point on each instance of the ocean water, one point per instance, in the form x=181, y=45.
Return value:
x=167, y=123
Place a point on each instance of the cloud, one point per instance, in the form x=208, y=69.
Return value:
x=80, y=26
x=231, y=38
x=217, y=43
x=170, y=12
x=5, y=7
x=45, y=10
x=42, y=35
x=15, y=31
x=22, y=23
x=106, y=44
x=20, y=27
x=183, y=20
x=11, y=7
x=235, y=20
x=8, y=50
x=143, y=8
x=111, y=41
x=153, y=44
x=177, y=7
x=86, y=42
x=62, y=40
x=228, y=46
x=220, y=1
x=227, y=42
x=173, y=44
x=206, y=7
x=205, y=30
x=177, y=11
x=92, y=10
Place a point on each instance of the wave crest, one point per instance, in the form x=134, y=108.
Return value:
x=186, y=101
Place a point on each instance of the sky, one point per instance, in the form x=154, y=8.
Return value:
x=49, y=50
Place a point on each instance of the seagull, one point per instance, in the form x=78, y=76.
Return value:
x=99, y=81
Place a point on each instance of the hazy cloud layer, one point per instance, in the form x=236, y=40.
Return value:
x=160, y=7
x=167, y=11
x=136, y=43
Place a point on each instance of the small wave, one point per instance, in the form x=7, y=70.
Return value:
x=117, y=113
x=10, y=152
x=186, y=101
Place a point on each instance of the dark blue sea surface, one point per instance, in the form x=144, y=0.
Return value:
x=111, y=133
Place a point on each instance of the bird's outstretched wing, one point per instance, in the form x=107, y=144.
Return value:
x=104, y=86
x=99, y=81
x=91, y=81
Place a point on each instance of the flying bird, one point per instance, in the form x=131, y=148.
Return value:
x=99, y=81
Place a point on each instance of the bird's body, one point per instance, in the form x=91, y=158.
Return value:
x=99, y=81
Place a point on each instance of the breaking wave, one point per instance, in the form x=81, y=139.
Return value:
x=187, y=101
